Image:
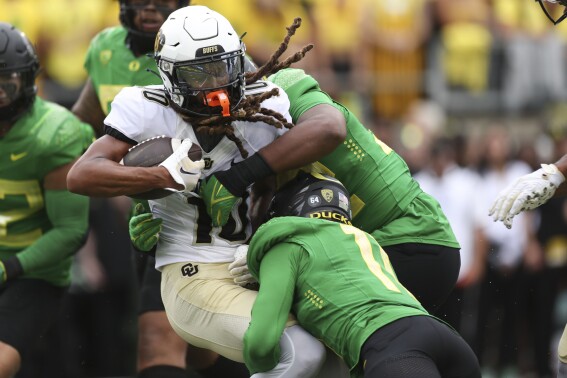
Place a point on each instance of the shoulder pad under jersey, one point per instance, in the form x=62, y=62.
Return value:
x=257, y=87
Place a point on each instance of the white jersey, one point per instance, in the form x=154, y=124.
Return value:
x=187, y=233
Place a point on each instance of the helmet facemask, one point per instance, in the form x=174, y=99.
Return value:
x=19, y=67
x=10, y=87
x=12, y=99
x=200, y=59
x=206, y=87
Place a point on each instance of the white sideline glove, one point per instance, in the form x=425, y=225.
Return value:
x=183, y=170
x=238, y=268
x=527, y=193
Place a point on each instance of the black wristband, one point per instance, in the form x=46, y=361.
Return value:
x=13, y=267
x=241, y=175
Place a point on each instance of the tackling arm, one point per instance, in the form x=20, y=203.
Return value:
x=317, y=133
x=271, y=309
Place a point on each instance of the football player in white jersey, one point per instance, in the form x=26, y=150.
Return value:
x=200, y=60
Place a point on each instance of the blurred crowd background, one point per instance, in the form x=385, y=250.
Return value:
x=472, y=93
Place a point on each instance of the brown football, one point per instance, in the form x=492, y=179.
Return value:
x=150, y=153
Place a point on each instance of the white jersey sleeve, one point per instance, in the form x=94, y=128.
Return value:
x=140, y=113
x=258, y=134
x=279, y=103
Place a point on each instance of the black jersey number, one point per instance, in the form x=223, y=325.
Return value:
x=234, y=230
x=21, y=199
x=382, y=269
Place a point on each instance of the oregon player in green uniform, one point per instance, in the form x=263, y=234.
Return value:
x=117, y=58
x=41, y=223
x=339, y=282
x=387, y=202
x=112, y=66
x=378, y=178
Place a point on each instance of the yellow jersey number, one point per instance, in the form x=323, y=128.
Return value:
x=34, y=199
x=387, y=277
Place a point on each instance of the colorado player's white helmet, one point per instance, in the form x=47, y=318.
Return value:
x=201, y=61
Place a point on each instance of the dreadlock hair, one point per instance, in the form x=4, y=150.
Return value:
x=249, y=108
x=273, y=65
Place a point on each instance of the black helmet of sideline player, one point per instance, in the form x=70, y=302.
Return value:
x=19, y=67
x=312, y=195
x=139, y=41
x=200, y=59
x=549, y=14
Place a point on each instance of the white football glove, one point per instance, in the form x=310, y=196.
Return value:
x=239, y=269
x=527, y=193
x=183, y=170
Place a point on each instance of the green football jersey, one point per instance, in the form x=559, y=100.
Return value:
x=386, y=200
x=46, y=137
x=342, y=289
x=112, y=65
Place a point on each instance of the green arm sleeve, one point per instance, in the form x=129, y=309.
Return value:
x=68, y=214
x=302, y=89
x=271, y=308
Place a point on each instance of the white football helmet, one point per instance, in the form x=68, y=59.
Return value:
x=201, y=61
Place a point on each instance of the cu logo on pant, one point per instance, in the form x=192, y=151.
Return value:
x=189, y=270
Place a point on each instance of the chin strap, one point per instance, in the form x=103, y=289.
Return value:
x=219, y=98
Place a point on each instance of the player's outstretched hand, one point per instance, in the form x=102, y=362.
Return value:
x=184, y=171
x=239, y=269
x=219, y=201
x=144, y=229
x=527, y=193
